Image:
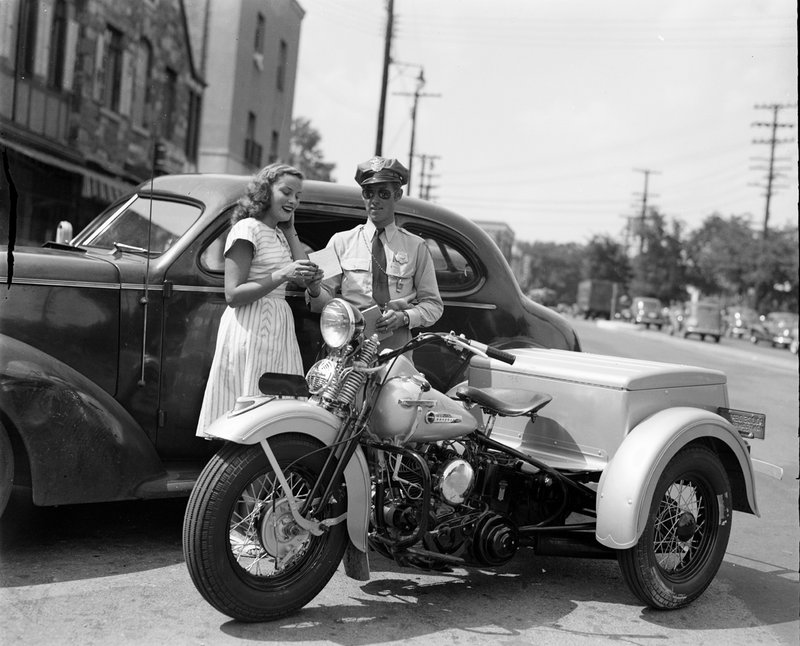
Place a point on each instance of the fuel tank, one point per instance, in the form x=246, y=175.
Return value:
x=409, y=410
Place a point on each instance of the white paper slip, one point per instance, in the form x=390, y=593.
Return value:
x=327, y=260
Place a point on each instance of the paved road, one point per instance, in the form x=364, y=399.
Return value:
x=114, y=573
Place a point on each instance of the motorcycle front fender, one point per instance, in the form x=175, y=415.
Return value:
x=266, y=417
x=628, y=483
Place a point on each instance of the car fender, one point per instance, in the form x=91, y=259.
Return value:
x=627, y=484
x=81, y=444
x=265, y=417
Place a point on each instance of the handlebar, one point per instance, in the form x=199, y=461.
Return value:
x=455, y=340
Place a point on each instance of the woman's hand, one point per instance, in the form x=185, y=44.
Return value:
x=301, y=271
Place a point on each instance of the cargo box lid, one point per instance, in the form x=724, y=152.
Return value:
x=603, y=370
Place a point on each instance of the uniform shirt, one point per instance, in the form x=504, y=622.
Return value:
x=412, y=279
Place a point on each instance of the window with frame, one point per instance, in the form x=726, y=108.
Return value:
x=170, y=91
x=193, y=126
x=273, y=147
x=141, y=84
x=58, y=45
x=258, y=41
x=26, y=43
x=283, y=56
x=252, y=149
x=112, y=79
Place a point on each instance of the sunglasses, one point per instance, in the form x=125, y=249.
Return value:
x=383, y=193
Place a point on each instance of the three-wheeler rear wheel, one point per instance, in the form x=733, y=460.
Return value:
x=686, y=534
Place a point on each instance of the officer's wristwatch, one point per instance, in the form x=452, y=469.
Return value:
x=406, y=318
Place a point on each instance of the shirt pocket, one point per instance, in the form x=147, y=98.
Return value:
x=356, y=275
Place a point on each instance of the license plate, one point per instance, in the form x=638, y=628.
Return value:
x=752, y=426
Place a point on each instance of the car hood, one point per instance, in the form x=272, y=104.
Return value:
x=41, y=265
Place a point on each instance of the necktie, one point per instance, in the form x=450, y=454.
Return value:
x=380, y=282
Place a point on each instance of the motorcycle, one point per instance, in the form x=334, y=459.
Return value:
x=566, y=453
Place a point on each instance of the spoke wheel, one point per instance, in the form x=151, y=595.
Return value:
x=686, y=534
x=245, y=552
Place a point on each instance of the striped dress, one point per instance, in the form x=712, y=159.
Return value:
x=255, y=338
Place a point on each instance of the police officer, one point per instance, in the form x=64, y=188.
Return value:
x=381, y=263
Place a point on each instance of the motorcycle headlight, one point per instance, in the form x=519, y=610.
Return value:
x=338, y=322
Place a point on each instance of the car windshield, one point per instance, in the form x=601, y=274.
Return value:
x=141, y=224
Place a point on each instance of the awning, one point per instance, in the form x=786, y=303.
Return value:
x=95, y=185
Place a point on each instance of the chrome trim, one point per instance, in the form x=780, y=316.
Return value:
x=60, y=283
x=198, y=288
x=474, y=306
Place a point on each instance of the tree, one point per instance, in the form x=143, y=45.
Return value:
x=775, y=275
x=304, y=152
x=605, y=259
x=660, y=270
x=722, y=256
x=554, y=267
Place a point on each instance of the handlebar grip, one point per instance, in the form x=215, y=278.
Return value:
x=500, y=355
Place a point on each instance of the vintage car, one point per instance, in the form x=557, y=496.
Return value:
x=647, y=311
x=738, y=322
x=698, y=318
x=776, y=328
x=106, y=342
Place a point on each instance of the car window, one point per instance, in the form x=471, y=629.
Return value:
x=144, y=223
x=212, y=258
x=453, y=270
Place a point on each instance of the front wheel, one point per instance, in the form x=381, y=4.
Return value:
x=245, y=553
x=687, y=531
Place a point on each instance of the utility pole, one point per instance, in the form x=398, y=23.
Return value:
x=387, y=59
x=643, y=214
x=425, y=174
x=772, y=141
x=417, y=94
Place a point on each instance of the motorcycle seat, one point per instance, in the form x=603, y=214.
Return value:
x=508, y=402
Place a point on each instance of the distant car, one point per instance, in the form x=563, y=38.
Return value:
x=106, y=342
x=698, y=318
x=739, y=320
x=775, y=328
x=647, y=311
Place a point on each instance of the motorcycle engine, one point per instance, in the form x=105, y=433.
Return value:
x=455, y=480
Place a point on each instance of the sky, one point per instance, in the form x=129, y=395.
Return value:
x=550, y=115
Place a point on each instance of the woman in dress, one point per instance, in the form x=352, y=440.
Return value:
x=262, y=253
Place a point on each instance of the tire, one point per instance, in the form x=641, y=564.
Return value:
x=753, y=339
x=680, y=573
x=230, y=531
x=716, y=338
x=6, y=469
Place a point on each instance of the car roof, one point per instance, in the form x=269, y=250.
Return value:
x=218, y=190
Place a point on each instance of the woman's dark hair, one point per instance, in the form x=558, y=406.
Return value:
x=258, y=197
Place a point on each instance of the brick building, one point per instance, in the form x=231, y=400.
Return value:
x=96, y=95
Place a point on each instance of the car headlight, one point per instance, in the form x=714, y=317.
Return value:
x=338, y=323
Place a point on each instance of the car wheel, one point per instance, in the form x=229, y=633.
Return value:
x=753, y=339
x=716, y=338
x=702, y=337
x=6, y=469
x=686, y=534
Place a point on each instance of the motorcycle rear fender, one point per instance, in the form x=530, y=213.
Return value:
x=627, y=484
x=267, y=417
